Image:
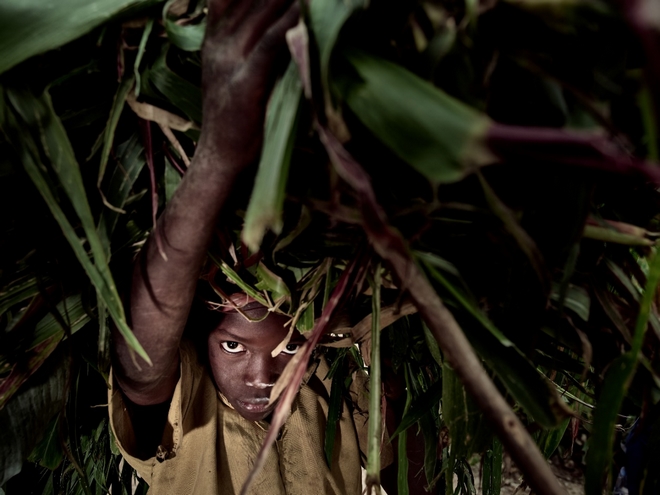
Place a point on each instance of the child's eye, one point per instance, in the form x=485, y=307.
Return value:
x=291, y=349
x=232, y=347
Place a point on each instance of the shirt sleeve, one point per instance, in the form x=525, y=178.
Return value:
x=122, y=426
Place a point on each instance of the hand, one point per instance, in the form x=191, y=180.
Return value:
x=243, y=47
x=243, y=50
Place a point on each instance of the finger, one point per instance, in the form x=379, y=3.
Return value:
x=273, y=41
x=217, y=9
x=227, y=17
x=261, y=17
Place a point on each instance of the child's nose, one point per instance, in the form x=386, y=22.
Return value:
x=259, y=384
x=261, y=373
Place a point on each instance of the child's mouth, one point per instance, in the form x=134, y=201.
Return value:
x=258, y=405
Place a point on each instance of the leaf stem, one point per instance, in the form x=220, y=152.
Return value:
x=373, y=449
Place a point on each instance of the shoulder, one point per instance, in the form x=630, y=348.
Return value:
x=167, y=422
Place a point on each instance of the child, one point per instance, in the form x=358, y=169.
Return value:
x=185, y=430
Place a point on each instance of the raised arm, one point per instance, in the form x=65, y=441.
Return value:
x=243, y=46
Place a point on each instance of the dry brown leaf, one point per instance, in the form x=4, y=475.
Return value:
x=175, y=142
x=388, y=315
x=158, y=115
x=288, y=372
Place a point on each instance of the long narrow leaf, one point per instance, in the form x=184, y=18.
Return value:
x=130, y=156
x=491, y=480
x=187, y=37
x=59, y=151
x=374, y=441
x=141, y=49
x=390, y=246
x=18, y=293
x=25, y=418
x=445, y=139
x=179, y=92
x=419, y=407
x=30, y=27
x=109, y=131
x=402, y=446
x=522, y=238
x=265, y=208
x=326, y=20
x=537, y=396
x=74, y=315
x=615, y=387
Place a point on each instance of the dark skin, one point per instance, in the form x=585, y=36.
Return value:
x=241, y=362
x=243, y=47
x=243, y=51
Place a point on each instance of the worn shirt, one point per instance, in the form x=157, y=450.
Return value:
x=208, y=448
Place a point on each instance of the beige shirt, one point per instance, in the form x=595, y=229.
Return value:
x=208, y=448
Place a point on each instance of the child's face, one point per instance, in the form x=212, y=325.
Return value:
x=241, y=361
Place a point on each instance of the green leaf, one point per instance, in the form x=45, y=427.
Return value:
x=71, y=311
x=47, y=334
x=645, y=102
x=306, y=321
x=265, y=208
x=271, y=282
x=576, y=299
x=30, y=27
x=48, y=452
x=18, y=292
x=615, y=387
x=601, y=442
x=532, y=390
x=130, y=156
x=419, y=407
x=375, y=413
x=188, y=37
x=548, y=439
x=564, y=15
x=304, y=222
x=434, y=349
x=141, y=49
x=465, y=424
x=491, y=481
x=455, y=414
x=172, y=180
x=39, y=115
x=430, y=432
x=402, y=452
x=633, y=289
x=176, y=90
x=520, y=235
x=327, y=17
x=30, y=363
x=49, y=489
x=111, y=126
x=24, y=419
x=433, y=263
x=103, y=341
x=234, y=277
x=439, y=136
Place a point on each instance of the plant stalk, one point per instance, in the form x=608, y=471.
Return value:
x=389, y=244
x=375, y=420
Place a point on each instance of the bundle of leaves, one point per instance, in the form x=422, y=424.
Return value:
x=479, y=178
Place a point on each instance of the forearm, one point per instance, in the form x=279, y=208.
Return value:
x=162, y=289
x=243, y=43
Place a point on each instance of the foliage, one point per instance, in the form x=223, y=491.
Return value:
x=499, y=154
